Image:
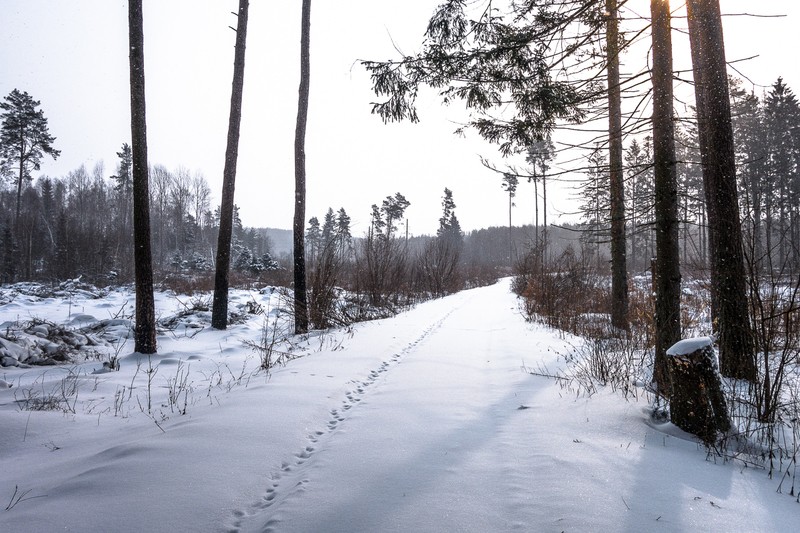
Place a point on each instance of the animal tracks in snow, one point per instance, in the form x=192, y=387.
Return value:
x=288, y=481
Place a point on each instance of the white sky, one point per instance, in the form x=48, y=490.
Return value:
x=72, y=56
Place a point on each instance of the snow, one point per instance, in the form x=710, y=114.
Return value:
x=687, y=346
x=426, y=421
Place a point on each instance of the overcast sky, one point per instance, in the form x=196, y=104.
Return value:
x=72, y=56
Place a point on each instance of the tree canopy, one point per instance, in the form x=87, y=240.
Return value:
x=24, y=138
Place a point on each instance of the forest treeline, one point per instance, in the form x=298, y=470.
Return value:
x=80, y=224
x=767, y=139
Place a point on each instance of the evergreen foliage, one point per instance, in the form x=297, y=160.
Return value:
x=24, y=139
x=500, y=63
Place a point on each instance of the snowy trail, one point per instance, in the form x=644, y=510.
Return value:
x=289, y=480
x=434, y=424
x=448, y=433
x=423, y=422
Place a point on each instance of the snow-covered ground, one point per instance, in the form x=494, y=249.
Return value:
x=427, y=421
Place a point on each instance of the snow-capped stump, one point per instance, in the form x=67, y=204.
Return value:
x=697, y=404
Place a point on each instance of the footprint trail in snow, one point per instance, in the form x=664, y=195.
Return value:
x=290, y=480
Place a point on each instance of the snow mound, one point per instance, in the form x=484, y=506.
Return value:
x=687, y=346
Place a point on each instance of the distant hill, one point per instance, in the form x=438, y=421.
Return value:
x=281, y=240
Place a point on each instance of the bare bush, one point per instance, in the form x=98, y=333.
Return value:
x=326, y=271
x=565, y=293
x=382, y=270
x=271, y=348
x=438, y=265
x=59, y=396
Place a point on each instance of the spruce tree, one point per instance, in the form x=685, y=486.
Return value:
x=782, y=124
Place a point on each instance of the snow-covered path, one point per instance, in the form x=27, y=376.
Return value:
x=423, y=422
x=430, y=432
x=451, y=434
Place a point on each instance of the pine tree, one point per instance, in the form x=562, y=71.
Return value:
x=595, y=205
x=619, y=267
x=392, y=211
x=300, y=296
x=509, y=184
x=440, y=259
x=219, y=313
x=328, y=228
x=667, y=267
x=449, y=226
x=496, y=62
x=24, y=138
x=313, y=239
x=382, y=257
x=145, y=335
x=728, y=282
x=539, y=155
x=343, y=231
x=505, y=67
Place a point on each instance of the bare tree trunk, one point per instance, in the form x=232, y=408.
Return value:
x=667, y=273
x=729, y=284
x=145, y=335
x=536, y=210
x=510, y=236
x=219, y=314
x=20, y=179
x=300, y=297
x=619, y=274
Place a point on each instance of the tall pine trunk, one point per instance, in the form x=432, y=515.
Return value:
x=667, y=274
x=510, y=234
x=729, y=285
x=20, y=180
x=145, y=335
x=300, y=297
x=619, y=274
x=219, y=314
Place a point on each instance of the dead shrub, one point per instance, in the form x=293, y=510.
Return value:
x=565, y=293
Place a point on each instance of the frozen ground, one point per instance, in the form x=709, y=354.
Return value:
x=423, y=422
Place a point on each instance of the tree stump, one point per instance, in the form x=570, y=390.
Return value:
x=697, y=404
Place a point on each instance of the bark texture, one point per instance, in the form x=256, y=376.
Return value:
x=667, y=266
x=145, y=334
x=219, y=314
x=300, y=297
x=619, y=273
x=728, y=281
x=697, y=404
